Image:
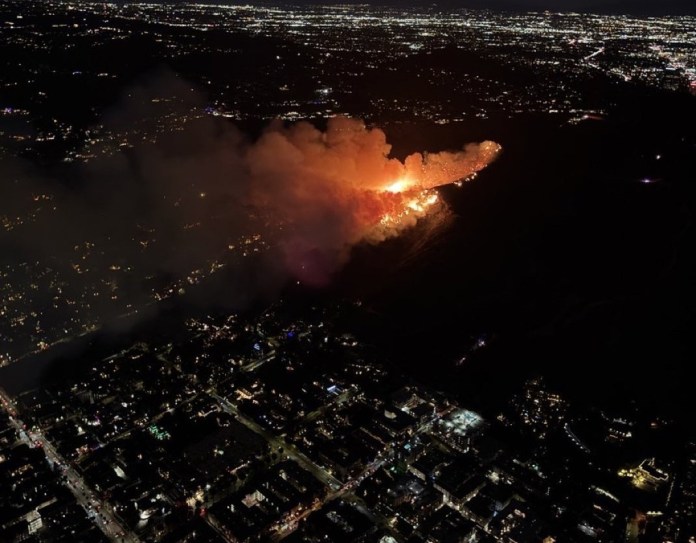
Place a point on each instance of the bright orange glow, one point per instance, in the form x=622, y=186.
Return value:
x=409, y=202
x=336, y=188
x=400, y=185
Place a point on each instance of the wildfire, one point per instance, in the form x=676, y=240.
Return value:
x=400, y=185
x=336, y=188
x=410, y=201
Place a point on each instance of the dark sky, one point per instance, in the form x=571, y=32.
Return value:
x=638, y=7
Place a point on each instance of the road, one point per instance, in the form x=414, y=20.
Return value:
x=256, y=364
x=286, y=526
x=103, y=516
x=276, y=442
x=98, y=511
x=289, y=450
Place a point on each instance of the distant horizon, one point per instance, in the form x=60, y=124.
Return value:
x=646, y=8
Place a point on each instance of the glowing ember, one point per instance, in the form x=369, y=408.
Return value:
x=412, y=202
x=399, y=185
x=410, y=205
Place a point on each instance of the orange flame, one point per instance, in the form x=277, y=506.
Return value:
x=400, y=185
x=336, y=188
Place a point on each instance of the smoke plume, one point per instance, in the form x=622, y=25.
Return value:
x=170, y=193
x=332, y=189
